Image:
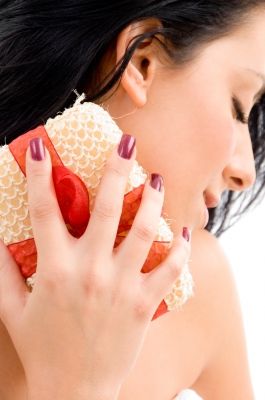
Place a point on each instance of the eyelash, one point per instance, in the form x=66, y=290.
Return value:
x=240, y=115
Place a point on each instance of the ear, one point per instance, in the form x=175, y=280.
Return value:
x=140, y=72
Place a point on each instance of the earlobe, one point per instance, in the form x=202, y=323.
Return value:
x=139, y=73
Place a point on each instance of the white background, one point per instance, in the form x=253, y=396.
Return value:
x=244, y=245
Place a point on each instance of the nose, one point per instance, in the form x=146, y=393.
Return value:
x=240, y=173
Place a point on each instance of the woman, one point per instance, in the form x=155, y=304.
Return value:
x=184, y=88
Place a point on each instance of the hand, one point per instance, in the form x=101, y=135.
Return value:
x=84, y=324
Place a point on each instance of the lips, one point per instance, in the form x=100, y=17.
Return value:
x=211, y=200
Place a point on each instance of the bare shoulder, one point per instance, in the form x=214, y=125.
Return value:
x=217, y=306
x=202, y=345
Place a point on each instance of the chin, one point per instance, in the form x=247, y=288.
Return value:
x=201, y=219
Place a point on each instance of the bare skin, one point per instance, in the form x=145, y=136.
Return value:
x=199, y=347
x=203, y=346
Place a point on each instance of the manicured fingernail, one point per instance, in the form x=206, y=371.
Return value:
x=186, y=234
x=37, y=149
x=126, y=146
x=157, y=182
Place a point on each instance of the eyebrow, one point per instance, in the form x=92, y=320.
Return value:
x=262, y=77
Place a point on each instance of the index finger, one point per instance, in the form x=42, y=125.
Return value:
x=49, y=230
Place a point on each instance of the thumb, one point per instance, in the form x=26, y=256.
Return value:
x=13, y=289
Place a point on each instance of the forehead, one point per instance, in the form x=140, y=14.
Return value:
x=243, y=48
x=249, y=41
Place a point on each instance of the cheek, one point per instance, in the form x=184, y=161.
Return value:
x=202, y=146
x=201, y=135
x=198, y=153
x=195, y=149
x=215, y=141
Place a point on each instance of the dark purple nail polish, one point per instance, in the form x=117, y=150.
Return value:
x=186, y=234
x=157, y=182
x=37, y=149
x=126, y=146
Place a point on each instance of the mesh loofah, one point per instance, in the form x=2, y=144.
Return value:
x=79, y=140
x=86, y=154
x=15, y=224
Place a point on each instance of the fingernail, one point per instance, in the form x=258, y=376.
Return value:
x=37, y=149
x=126, y=146
x=186, y=234
x=157, y=182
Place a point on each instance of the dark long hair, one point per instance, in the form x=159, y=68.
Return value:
x=51, y=48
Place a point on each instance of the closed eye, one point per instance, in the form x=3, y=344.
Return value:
x=240, y=115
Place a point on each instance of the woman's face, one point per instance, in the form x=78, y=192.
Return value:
x=187, y=129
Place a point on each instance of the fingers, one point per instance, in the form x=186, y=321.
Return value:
x=158, y=283
x=135, y=248
x=48, y=226
x=13, y=290
x=104, y=221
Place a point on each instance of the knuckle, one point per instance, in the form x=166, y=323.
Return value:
x=38, y=172
x=58, y=278
x=42, y=209
x=154, y=199
x=174, y=268
x=115, y=172
x=142, y=309
x=36, y=169
x=144, y=232
x=104, y=209
x=39, y=176
x=95, y=285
